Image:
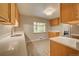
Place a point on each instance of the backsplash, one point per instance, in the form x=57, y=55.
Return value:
x=75, y=29
x=60, y=28
x=4, y=29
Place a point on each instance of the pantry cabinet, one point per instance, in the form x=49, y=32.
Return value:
x=69, y=13
x=54, y=22
x=8, y=13
x=57, y=49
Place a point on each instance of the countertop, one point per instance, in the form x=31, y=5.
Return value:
x=75, y=34
x=13, y=45
x=70, y=42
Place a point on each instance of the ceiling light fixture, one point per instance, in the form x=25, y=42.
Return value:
x=49, y=11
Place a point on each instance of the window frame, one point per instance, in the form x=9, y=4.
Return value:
x=38, y=25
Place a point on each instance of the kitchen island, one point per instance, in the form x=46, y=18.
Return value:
x=64, y=46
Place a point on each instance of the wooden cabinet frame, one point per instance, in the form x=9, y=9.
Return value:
x=11, y=16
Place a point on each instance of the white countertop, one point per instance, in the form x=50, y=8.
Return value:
x=75, y=34
x=13, y=45
x=70, y=42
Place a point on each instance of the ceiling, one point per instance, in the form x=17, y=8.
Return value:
x=37, y=9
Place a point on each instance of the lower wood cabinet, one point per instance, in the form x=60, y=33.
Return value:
x=53, y=34
x=72, y=52
x=57, y=49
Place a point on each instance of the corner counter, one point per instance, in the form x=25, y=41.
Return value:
x=14, y=46
x=64, y=46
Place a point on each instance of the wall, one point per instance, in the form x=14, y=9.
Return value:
x=60, y=28
x=4, y=29
x=75, y=29
x=28, y=27
x=55, y=28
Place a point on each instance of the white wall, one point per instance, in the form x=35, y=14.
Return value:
x=4, y=29
x=60, y=28
x=75, y=29
x=28, y=27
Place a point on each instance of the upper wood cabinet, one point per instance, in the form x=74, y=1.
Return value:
x=76, y=13
x=69, y=13
x=8, y=13
x=54, y=22
x=4, y=12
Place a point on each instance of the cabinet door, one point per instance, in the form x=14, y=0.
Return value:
x=67, y=12
x=57, y=49
x=54, y=22
x=9, y=14
x=17, y=16
x=53, y=34
x=72, y=52
x=5, y=12
x=14, y=15
x=76, y=7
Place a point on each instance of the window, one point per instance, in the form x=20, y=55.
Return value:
x=39, y=27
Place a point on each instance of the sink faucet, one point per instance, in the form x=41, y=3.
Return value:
x=12, y=31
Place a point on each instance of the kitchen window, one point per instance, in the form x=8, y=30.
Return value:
x=39, y=27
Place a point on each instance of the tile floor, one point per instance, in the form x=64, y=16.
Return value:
x=38, y=48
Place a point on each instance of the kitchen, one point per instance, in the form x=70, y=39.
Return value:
x=65, y=41
x=30, y=32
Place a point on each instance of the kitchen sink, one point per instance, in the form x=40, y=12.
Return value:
x=16, y=35
x=68, y=41
x=71, y=42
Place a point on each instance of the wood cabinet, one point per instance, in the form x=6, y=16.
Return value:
x=4, y=12
x=8, y=13
x=72, y=52
x=57, y=49
x=54, y=22
x=53, y=34
x=69, y=13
